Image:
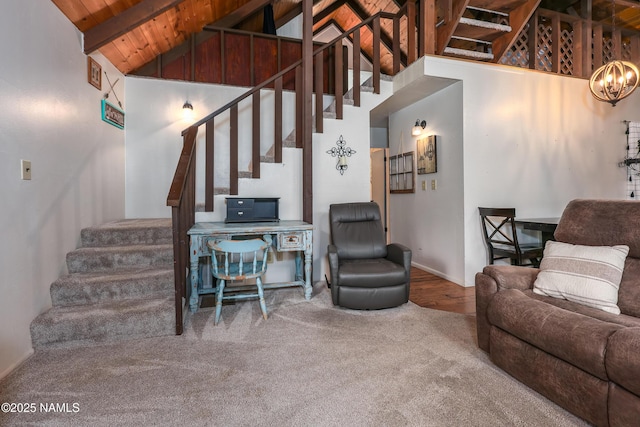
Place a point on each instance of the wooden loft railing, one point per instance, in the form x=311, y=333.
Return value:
x=182, y=197
x=569, y=45
x=227, y=56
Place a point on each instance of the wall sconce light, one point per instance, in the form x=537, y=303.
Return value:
x=187, y=111
x=341, y=152
x=417, y=128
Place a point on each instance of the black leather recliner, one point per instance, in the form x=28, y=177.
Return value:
x=366, y=273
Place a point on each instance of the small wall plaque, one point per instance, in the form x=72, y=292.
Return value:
x=112, y=114
x=94, y=73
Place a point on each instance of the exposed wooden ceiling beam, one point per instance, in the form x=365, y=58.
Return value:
x=240, y=14
x=384, y=37
x=133, y=17
x=327, y=11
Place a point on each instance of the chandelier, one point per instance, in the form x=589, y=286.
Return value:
x=616, y=79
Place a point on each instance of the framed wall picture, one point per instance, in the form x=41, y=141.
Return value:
x=94, y=73
x=427, y=155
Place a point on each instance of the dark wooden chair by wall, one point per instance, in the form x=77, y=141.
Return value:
x=500, y=235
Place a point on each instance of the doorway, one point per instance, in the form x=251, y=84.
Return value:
x=379, y=188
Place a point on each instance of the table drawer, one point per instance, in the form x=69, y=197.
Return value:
x=239, y=203
x=291, y=241
x=239, y=214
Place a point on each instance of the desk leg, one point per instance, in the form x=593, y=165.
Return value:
x=195, y=275
x=299, y=270
x=308, y=258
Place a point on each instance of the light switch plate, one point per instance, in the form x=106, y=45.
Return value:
x=25, y=169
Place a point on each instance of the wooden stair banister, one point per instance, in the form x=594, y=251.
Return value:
x=182, y=199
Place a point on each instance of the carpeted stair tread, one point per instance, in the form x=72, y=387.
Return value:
x=91, y=288
x=118, y=257
x=105, y=322
x=128, y=232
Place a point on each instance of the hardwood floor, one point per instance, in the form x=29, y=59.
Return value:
x=431, y=291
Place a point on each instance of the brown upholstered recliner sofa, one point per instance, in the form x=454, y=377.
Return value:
x=584, y=359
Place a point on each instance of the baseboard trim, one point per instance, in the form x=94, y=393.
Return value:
x=15, y=365
x=455, y=280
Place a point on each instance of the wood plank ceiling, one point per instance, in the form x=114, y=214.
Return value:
x=132, y=33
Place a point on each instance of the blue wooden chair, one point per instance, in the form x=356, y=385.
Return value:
x=233, y=260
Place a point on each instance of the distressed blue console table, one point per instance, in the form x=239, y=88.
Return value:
x=287, y=236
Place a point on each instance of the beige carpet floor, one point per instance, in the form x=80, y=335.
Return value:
x=309, y=364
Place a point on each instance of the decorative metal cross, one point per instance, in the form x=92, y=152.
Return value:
x=341, y=152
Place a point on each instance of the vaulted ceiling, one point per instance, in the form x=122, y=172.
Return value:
x=132, y=33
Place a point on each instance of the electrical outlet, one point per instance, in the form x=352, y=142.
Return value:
x=25, y=169
x=434, y=184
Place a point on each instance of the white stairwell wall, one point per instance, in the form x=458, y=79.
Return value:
x=50, y=116
x=153, y=145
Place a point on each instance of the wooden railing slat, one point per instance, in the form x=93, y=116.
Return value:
x=319, y=83
x=255, y=132
x=210, y=161
x=277, y=138
x=299, y=128
x=339, y=88
x=376, y=56
x=356, y=68
x=555, y=42
x=233, y=150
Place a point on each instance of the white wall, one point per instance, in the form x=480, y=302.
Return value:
x=531, y=140
x=154, y=142
x=51, y=116
x=355, y=184
x=431, y=222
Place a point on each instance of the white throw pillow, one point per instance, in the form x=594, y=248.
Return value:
x=588, y=275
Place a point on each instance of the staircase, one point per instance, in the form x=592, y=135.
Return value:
x=480, y=23
x=120, y=286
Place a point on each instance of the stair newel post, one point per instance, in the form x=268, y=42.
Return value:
x=277, y=132
x=319, y=86
x=233, y=150
x=339, y=86
x=356, y=67
x=209, y=162
x=181, y=198
x=396, y=44
x=376, y=55
x=255, y=132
